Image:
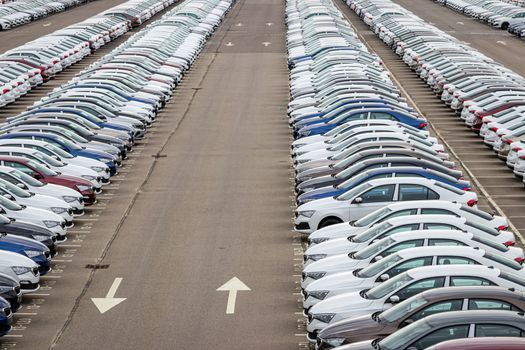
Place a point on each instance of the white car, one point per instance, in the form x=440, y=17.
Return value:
x=404, y=224
x=349, y=229
x=53, y=222
x=28, y=183
x=389, y=245
x=393, y=265
x=22, y=269
x=368, y=197
x=402, y=287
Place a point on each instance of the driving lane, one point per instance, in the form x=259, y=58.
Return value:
x=215, y=203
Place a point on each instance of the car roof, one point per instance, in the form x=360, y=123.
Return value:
x=482, y=343
x=475, y=316
x=472, y=292
x=465, y=270
x=425, y=219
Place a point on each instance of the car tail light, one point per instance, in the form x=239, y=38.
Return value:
x=522, y=157
x=467, y=189
x=472, y=202
x=19, y=83
x=55, y=60
x=41, y=69
x=422, y=125
x=507, y=141
x=509, y=243
x=5, y=91
x=519, y=260
x=502, y=228
x=493, y=129
x=517, y=149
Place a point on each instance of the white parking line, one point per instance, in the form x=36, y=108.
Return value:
x=37, y=294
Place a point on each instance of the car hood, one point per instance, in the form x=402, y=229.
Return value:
x=353, y=329
x=25, y=227
x=324, y=203
x=341, y=261
x=362, y=345
x=340, y=303
x=342, y=230
x=337, y=281
x=334, y=246
x=15, y=259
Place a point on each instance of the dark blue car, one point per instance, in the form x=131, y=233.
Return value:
x=6, y=317
x=30, y=248
x=362, y=114
x=67, y=146
x=333, y=191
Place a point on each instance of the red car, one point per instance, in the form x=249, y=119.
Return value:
x=42, y=67
x=488, y=343
x=478, y=122
x=47, y=175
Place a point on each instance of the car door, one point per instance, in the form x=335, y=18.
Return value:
x=435, y=308
x=420, y=286
x=371, y=200
x=497, y=330
x=440, y=335
x=415, y=192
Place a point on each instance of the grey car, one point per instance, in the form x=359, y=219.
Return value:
x=437, y=328
x=381, y=324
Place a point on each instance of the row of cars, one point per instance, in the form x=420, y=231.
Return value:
x=384, y=208
x=27, y=66
x=486, y=95
x=21, y=12
x=56, y=157
x=506, y=15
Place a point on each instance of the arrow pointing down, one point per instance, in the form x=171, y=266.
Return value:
x=109, y=302
x=232, y=286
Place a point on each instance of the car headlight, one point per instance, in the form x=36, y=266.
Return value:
x=325, y=318
x=40, y=238
x=307, y=213
x=89, y=177
x=83, y=187
x=6, y=289
x=318, y=294
x=32, y=253
x=305, y=133
x=314, y=257
x=319, y=240
x=98, y=169
x=106, y=160
x=69, y=199
x=315, y=275
x=20, y=270
x=58, y=210
x=334, y=341
x=51, y=223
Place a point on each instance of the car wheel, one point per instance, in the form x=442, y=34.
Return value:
x=504, y=26
x=329, y=221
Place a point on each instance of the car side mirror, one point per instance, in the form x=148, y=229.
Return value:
x=21, y=185
x=384, y=277
x=407, y=322
x=358, y=200
x=8, y=196
x=55, y=156
x=394, y=299
x=377, y=258
x=37, y=176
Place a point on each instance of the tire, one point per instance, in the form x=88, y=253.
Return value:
x=504, y=26
x=329, y=221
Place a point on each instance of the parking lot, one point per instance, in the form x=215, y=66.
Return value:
x=209, y=233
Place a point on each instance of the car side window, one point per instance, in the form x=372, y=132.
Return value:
x=455, y=260
x=438, y=242
x=420, y=286
x=400, y=213
x=435, y=226
x=497, y=330
x=490, y=304
x=409, y=264
x=414, y=192
x=19, y=166
x=402, y=228
x=379, y=194
x=382, y=116
x=437, y=211
x=469, y=281
x=357, y=116
x=440, y=335
x=442, y=306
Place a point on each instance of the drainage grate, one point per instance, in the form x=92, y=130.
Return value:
x=97, y=266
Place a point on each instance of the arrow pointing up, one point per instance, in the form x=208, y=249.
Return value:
x=232, y=286
x=109, y=302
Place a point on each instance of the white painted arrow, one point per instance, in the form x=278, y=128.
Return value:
x=232, y=286
x=266, y=43
x=239, y=24
x=501, y=42
x=109, y=302
x=229, y=43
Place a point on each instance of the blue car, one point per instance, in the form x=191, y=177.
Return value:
x=333, y=191
x=362, y=114
x=323, y=50
x=6, y=317
x=343, y=103
x=28, y=247
x=67, y=146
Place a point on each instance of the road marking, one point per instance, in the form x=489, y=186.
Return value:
x=37, y=294
x=46, y=24
x=107, y=303
x=461, y=23
x=501, y=42
x=26, y=314
x=70, y=245
x=266, y=43
x=229, y=43
x=269, y=24
x=232, y=287
x=239, y=24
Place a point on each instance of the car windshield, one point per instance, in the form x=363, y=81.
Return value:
x=9, y=204
x=372, y=232
x=59, y=151
x=17, y=191
x=372, y=217
x=42, y=168
x=404, y=336
x=403, y=309
x=381, y=265
x=4, y=220
x=26, y=178
x=48, y=160
x=373, y=249
x=353, y=181
x=353, y=192
x=389, y=286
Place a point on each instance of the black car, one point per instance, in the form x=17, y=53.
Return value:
x=28, y=230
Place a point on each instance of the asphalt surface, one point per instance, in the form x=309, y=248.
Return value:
x=20, y=35
x=206, y=197
x=498, y=189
